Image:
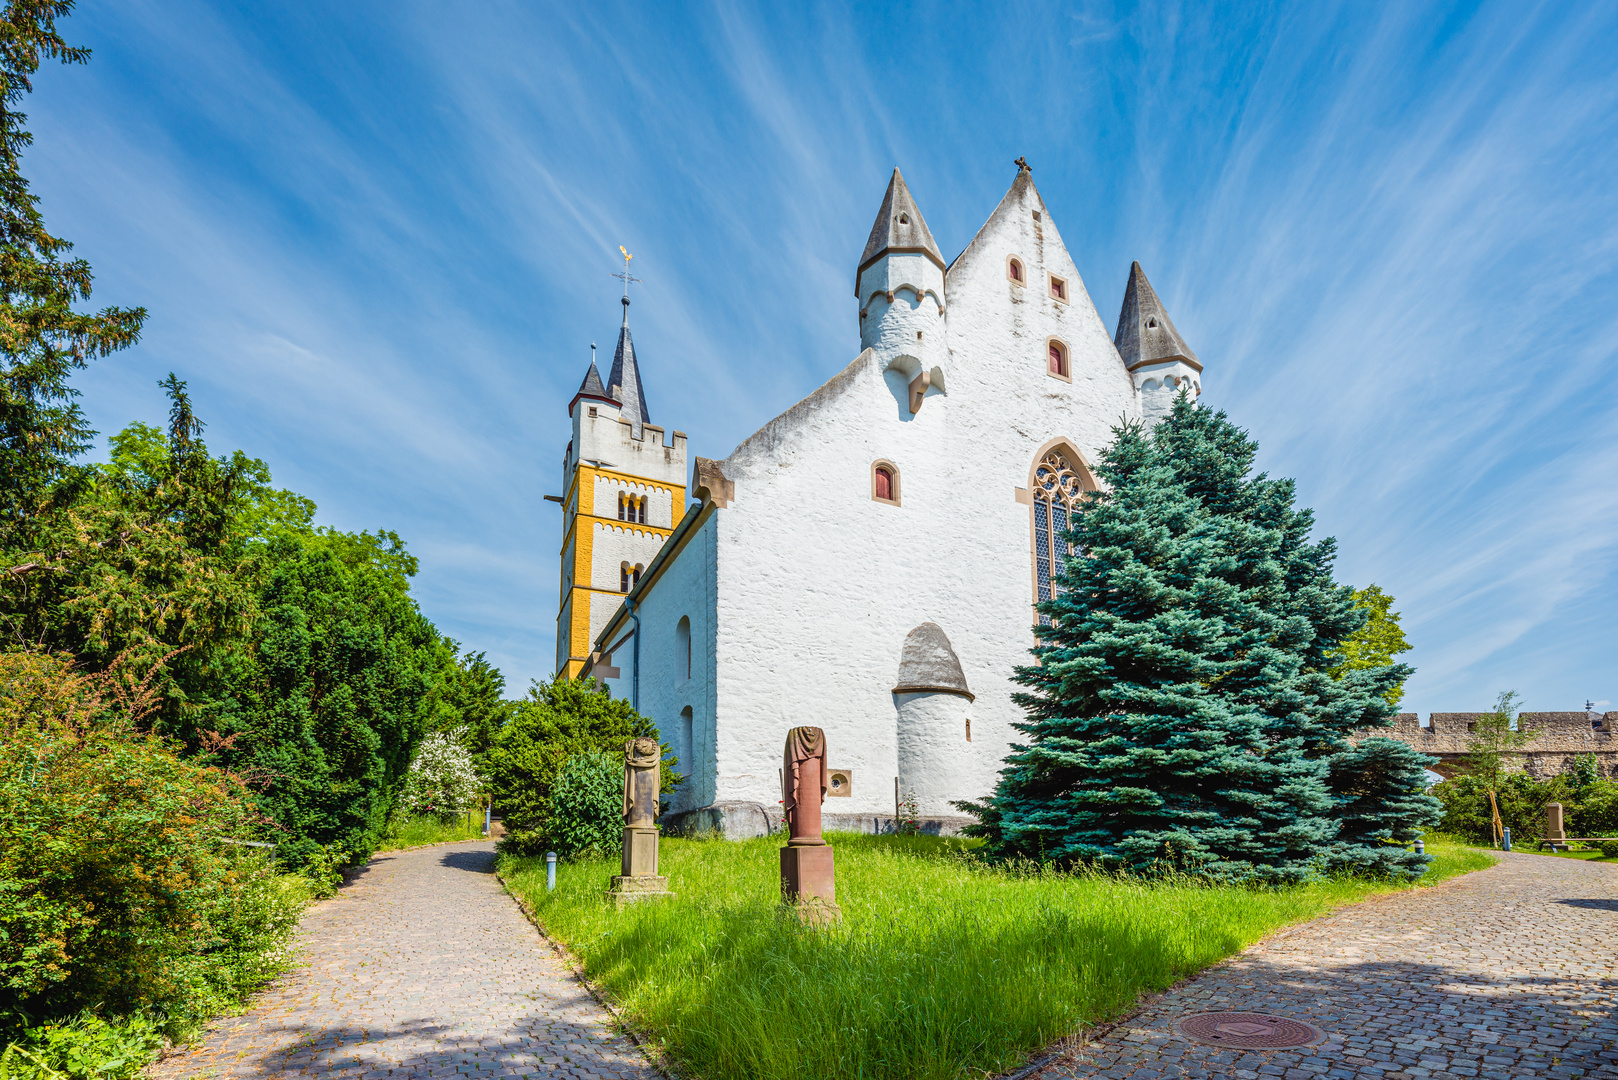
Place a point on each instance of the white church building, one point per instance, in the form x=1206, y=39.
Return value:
x=868, y=561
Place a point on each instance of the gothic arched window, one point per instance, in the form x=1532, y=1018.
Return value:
x=1058, y=487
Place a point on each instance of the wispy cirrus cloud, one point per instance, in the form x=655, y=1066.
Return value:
x=377, y=241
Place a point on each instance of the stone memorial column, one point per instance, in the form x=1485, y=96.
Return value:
x=1555, y=834
x=808, y=878
x=639, y=879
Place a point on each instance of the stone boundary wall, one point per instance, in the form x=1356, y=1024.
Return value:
x=1559, y=737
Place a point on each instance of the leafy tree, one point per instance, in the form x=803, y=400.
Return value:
x=556, y=721
x=1493, y=736
x=467, y=699
x=1180, y=711
x=1375, y=644
x=42, y=338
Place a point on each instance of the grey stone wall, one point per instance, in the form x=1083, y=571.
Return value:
x=1559, y=737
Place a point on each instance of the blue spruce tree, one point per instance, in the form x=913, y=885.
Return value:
x=1179, y=714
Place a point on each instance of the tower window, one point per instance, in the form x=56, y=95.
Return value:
x=885, y=483
x=1056, y=360
x=918, y=335
x=1151, y=324
x=904, y=219
x=643, y=509
x=592, y=410
x=634, y=575
x=622, y=509
x=623, y=577
x=1014, y=270
x=1058, y=288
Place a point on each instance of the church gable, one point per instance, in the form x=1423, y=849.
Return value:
x=1019, y=309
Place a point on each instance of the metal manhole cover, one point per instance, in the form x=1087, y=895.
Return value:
x=1248, y=1031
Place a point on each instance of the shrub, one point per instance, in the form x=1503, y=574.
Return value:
x=115, y=888
x=554, y=722
x=587, y=807
x=1609, y=848
x=87, y=1047
x=441, y=779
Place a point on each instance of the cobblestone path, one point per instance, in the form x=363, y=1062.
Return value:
x=1507, y=973
x=422, y=966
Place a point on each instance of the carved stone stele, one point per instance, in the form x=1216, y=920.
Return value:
x=639, y=879
x=808, y=874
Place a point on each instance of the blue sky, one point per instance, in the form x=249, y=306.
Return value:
x=376, y=240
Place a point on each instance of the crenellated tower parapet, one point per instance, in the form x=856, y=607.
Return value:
x=1557, y=739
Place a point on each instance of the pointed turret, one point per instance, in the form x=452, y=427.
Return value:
x=591, y=386
x=1154, y=353
x=624, y=383
x=899, y=228
x=1145, y=334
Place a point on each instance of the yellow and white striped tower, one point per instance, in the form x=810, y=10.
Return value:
x=623, y=492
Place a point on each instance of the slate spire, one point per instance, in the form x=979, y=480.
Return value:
x=624, y=382
x=899, y=228
x=1145, y=334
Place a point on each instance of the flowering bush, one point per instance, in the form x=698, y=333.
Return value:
x=442, y=780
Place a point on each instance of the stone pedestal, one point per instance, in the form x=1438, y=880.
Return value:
x=809, y=883
x=629, y=890
x=638, y=878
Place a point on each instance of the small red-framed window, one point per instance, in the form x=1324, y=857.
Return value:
x=1058, y=288
x=1056, y=359
x=1015, y=271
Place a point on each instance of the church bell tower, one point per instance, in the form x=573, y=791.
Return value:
x=623, y=495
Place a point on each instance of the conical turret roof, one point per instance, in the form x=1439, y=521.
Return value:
x=591, y=387
x=624, y=382
x=1145, y=334
x=899, y=228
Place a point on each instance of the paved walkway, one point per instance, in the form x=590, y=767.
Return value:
x=422, y=966
x=1507, y=973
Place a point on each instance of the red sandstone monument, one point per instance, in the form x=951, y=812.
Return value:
x=808, y=878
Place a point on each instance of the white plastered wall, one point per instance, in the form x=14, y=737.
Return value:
x=815, y=586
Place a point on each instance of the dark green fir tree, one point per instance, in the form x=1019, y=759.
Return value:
x=1179, y=710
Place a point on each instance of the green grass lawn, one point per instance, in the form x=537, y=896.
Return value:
x=941, y=968
x=1588, y=856
x=427, y=829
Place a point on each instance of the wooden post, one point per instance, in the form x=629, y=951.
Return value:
x=1499, y=826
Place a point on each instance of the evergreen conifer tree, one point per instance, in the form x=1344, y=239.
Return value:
x=1180, y=712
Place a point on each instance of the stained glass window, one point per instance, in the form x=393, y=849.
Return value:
x=1057, y=490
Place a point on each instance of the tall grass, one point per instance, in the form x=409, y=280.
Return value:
x=942, y=967
x=416, y=829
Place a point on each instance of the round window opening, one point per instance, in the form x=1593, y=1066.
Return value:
x=836, y=782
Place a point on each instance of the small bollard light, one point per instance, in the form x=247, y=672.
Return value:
x=1421, y=846
x=488, y=811
x=550, y=871
x=1507, y=842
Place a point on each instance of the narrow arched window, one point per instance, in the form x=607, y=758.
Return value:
x=1014, y=270
x=635, y=576
x=643, y=501
x=682, y=646
x=885, y=483
x=1056, y=359
x=1057, y=491
x=623, y=577
x=620, y=506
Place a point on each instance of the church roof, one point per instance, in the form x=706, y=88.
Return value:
x=624, y=382
x=928, y=662
x=1145, y=334
x=899, y=228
